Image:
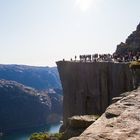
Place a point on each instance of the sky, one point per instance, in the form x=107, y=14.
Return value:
x=41, y=32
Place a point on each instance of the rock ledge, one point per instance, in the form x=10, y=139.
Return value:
x=121, y=121
x=77, y=124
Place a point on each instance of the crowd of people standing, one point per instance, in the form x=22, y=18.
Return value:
x=126, y=57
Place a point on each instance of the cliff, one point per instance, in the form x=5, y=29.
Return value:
x=89, y=87
x=22, y=106
x=132, y=43
x=121, y=121
x=40, y=78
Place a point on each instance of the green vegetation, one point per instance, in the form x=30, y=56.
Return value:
x=46, y=136
x=135, y=65
x=39, y=136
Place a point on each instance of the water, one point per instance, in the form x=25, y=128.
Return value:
x=25, y=134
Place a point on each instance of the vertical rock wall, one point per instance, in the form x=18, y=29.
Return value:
x=89, y=87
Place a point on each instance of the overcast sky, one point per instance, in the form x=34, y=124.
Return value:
x=40, y=32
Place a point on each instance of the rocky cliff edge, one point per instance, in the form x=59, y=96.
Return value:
x=89, y=87
x=121, y=120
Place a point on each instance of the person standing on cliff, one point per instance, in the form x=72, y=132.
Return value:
x=75, y=57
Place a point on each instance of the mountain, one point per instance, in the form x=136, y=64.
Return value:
x=132, y=43
x=40, y=78
x=22, y=106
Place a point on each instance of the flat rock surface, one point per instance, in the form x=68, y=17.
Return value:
x=82, y=121
x=121, y=121
x=77, y=124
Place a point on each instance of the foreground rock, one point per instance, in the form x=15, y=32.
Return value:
x=121, y=121
x=89, y=87
x=77, y=124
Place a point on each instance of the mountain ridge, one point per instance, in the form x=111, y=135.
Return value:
x=37, y=77
x=132, y=43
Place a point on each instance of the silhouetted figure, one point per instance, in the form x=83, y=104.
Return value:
x=75, y=57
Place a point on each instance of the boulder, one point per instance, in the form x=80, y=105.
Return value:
x=77, y=124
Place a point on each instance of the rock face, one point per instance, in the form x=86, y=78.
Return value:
x=89, y=87
x=121, y=121
x=22, y=106
x=40, y=78
x=77, y=124
x=132, y=43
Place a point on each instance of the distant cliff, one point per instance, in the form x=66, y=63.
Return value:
x=22, y=106
x=29, y=96
x=40, y=78
x=90, y=86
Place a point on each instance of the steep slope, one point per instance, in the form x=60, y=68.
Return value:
x=89, y=87
x=22, y=107
x=40, y=78
x=132, y=43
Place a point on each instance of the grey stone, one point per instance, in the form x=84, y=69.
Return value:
x=89, y=87
x=77, y=124
x=124, y=126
